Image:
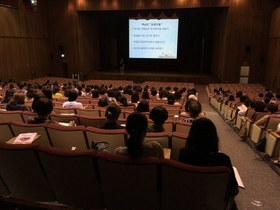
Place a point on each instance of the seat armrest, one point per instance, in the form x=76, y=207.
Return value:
x=275, y=134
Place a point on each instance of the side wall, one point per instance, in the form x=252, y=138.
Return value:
x=23, y=44
x=272, y=79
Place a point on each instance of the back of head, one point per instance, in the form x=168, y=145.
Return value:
x=136, y=126
x=272, y=107
x=43, y=106
x=158, y=115
x=123, y=100
x=243, y=98
x=194, y=108
x=17, y=99
x=145, y=95
x=143, y=106
x=188, y=103
x=170, y=99
x=113, y=112
x=72, y=95
x=203, y=136
x=259, y=106
x=103, y=102
x=55, y=89
x=47, y=92
x=134, y=97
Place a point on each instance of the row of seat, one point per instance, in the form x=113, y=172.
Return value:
x=89, y=180
x=80, y=137
x=86, y=119
x=254, y=132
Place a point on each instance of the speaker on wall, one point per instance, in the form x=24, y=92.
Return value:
x=248, y=49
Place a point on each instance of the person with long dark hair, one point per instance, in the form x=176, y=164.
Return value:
x=136, y=126
x=202, y=149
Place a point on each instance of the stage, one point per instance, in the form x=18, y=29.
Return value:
x=140, y=77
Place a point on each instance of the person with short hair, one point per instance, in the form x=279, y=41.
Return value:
x=143, y=106
x=158, y=115
x=112, y=114
x=56, y=93
x=273, y=111
x=136, y=126
x=72, y=103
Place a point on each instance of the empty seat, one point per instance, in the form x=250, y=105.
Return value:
x=129, y=183
x=23, y=174
x=182, y=127
x=19, y=127
x=115, y=137
x=91, y=121
x=67, y=137
x=161, y=137
x=72, y=176
x=178, y=140
x=6, y=132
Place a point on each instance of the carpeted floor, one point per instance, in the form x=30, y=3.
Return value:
x=260, y=181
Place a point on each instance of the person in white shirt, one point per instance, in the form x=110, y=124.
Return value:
x=72, y=103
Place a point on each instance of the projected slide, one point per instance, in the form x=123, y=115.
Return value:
x=153, y=38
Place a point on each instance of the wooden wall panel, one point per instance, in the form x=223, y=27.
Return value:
x=146, y=4
x=9, y=22
x=274, y=26
x=272, y=76
x=36, y=25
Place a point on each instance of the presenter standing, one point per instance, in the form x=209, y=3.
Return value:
x=122, y=65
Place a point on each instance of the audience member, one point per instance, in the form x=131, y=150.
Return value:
x=9, y=94
x=194, y=111
x=143, y=106
x=202, y=149
x=158, y=115
x=136, y=126
x=273, y=109
x=17, y=103
x=72, y=103
x=135, y=97
x=56, y=93
x=112, y=114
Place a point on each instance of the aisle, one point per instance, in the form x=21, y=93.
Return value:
x=261, y=182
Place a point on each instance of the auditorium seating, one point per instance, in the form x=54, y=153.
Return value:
x=84, y=179
x=6, y=132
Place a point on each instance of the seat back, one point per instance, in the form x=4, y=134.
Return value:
x=19, y=127
x=129, y=183
x=202, y=188
x=23, y=174
x=27, y=114
x=67, y=137
x=182, y=127
x=88, y=112
x=114, y=137
x=91, y=121
x=6, y=132
x=178, y=140
x=72, y=176
x=11, y=116
x=64, y=118
x=161, y=137
x=60, y=110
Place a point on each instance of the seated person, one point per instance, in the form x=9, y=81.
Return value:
x=158, y=115
x=43, y=106
x=195, y=111
x=143, y=106
x=112, y=114
x=202, y=149
x=273, y=111
x=103, y=102
x=123, y=101
x=56, y=93
x=17, y=103
x=72, y=103
x=136, y=126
